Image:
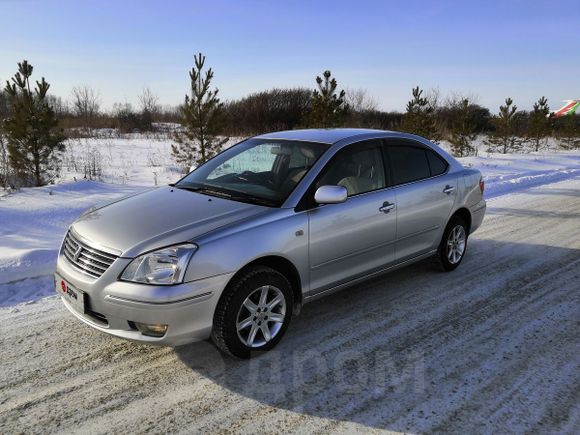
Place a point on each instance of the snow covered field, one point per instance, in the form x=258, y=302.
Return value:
x=490, y=348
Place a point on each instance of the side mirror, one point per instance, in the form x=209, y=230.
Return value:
x=330, y=194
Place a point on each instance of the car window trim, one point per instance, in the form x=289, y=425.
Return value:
x=387, y=165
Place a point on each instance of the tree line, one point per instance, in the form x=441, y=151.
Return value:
x=34, y=124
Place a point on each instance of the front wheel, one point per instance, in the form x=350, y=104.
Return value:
x=453, y=244
x=253, y=313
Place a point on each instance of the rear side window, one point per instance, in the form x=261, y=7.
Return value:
x=436, y=163
x=408, y=163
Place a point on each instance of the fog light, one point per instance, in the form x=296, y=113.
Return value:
x=152, y=330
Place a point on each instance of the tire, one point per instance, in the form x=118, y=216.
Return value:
x=242, y=304
x=453, y=244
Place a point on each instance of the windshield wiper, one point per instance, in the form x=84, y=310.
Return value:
x=245, y=197
x=234, y=195
x=203, y=189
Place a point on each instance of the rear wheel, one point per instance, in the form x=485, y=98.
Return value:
x=453, y=244
x=253, y=313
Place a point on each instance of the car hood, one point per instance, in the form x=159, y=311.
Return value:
x=158, y=218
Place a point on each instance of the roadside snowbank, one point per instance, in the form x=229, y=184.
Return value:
x=506, y=173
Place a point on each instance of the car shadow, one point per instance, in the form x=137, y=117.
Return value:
x=526, y=212
x=554, y=191
x=393, y=352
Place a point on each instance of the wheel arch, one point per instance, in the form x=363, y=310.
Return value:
x=464, y=214
x=283, y=266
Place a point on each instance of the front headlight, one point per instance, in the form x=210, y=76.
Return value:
x=165, y=266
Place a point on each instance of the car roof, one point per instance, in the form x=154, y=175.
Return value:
x=323, y=135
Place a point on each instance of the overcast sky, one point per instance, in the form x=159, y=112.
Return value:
x=494, y=49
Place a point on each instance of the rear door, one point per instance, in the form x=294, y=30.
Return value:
x=350, y=239
x=425, y=194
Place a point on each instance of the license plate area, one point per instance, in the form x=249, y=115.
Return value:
x=75, y=297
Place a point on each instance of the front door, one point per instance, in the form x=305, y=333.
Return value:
x=353, y=238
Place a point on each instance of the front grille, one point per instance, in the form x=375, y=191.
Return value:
x=90, y=261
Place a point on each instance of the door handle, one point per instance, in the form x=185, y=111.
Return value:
x=387, y=207
x=448, y=189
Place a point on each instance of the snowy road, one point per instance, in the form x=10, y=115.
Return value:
x=492, y=347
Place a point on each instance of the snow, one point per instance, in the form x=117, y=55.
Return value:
x=505, y=173
x=34, y=220
x=489, y=348
x=132, y=159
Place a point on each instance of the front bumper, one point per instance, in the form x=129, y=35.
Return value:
x=114, y=306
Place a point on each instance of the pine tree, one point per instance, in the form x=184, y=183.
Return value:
x=329, y=108
x=202, y=115
x=539, y=126
x=463, y=129
x=420, y=117
x=33, y=140
x=4, y=106
x=504, y=139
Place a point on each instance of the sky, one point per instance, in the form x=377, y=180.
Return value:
x=488, y=49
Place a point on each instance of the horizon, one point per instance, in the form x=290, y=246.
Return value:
x=523, y=50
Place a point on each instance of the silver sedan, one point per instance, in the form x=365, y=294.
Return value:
x=236, y=247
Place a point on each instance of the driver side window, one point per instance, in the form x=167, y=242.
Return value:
x=359, y=168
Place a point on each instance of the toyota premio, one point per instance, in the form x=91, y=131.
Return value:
x=236, y=247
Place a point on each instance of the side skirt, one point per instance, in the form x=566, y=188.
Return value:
x=350, y=283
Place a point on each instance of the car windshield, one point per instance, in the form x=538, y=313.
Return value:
x=258, y=171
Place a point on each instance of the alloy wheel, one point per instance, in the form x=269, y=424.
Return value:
x=261, y=316
x=456, y=244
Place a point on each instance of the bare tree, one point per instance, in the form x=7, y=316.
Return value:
x=60, y=106
x=86, y=103
x=360, y=101
x=148, y=101
x=433, y=95
x=4, y=162
x=275, y=109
